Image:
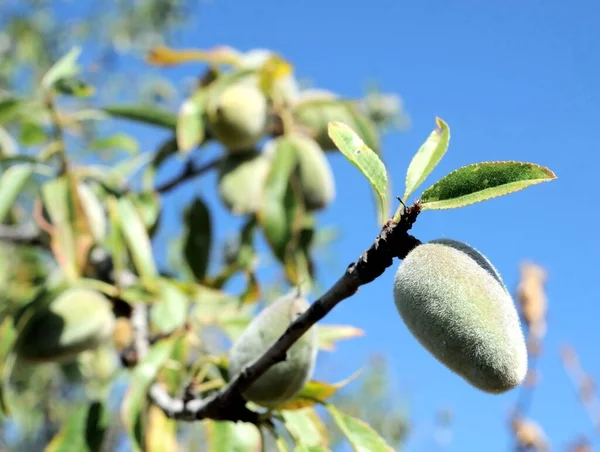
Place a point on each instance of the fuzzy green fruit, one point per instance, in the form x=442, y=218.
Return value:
x=241, y=180
x=454, y=302
x=285, y=379
x=238, y=117
x=316, y=177
x=75, y=321
x=314, y=112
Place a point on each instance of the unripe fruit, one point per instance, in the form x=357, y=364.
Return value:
x=75, y=321
x=238, y=117
x=316, y=177
x=314, y=112
x=454, y=302
x=285, y=379
x=241, y=180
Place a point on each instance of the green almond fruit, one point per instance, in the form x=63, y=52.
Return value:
x=74, y=321
x=316, y=177
x=455, y=303
x=316, y=112
x=241, y=179
x=285, y=379
x=238, y=117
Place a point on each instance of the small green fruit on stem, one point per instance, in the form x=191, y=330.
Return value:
x=238, y=118
x=455, y=303
x=75, y=321
x=285, y=379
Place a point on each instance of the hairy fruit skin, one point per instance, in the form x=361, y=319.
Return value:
x=75, y=321
x=454, y=302
x=241, y=180
x=316, y=177
x=238, y=118
x=285, y=379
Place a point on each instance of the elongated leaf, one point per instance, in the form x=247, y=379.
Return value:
x=190, y=123
x=278, y=206
x=482, y=181
x=365, y=159
x=161, y=432
x=165, y=56
x=142, y=377
x=144, y=114
x=72, y=86
x=330, y=334
x=71, y=236
x=137, y=240
x=32, y=134
x=361, y=435
x=198, y=238
x=305, y=448
x=12, y=182
x=316, y=392
x=118, y=141
x=148, y=205
x=65, y=67
x=306, y=427
x=231, y=437
x=170, y=310
x=427, y=157
x=10, y=107
x=83, y=431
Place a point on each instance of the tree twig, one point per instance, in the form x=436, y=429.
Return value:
x=21, y=235
x=228, y=404
x=189, y=172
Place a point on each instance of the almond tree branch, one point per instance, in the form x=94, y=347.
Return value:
x=21, y=235
x=189, y=172
x=228, y=404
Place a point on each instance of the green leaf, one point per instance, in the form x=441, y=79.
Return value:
x=190, y=123
x=170, y=310
x=482, y=181
x=223, y=436
x=367, y=161
x=72, y=86
x=10, y=108
x=138, y=242
x=330, y=334
x=148, y=205
x=198, y=238
x=316, y=392
x=305, y=448
x=427, y=157
x=71, y=236
x=145, y=114
x=32, y=134
x=142, y=377
x=12, y=182
x=278, y=208
x=361, y=435
x=65, y=67
x=306, y=427
x=120, y=141
x=83, y=431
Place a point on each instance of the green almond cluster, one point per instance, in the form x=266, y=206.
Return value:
x=455, y=303
x=75, y=321
x=238, y=117
x=285, y=379
x=242, y=175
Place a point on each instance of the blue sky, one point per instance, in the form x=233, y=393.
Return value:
x=515, y=81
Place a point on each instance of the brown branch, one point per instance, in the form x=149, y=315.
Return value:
x=21, y=235
x=189, y=172
x=228, y=404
